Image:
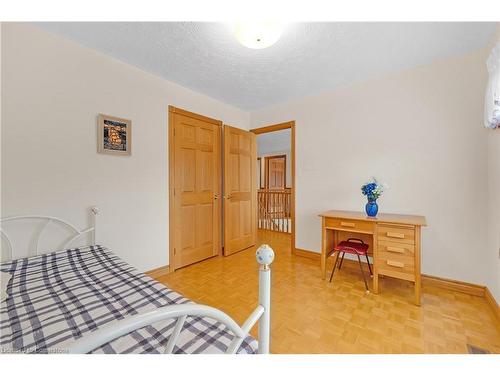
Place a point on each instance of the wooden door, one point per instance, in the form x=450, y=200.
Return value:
x=240, y=190
x=276, y=172
x=196, y=188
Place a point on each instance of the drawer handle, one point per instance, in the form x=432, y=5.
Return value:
x=395, y=249
x=395, y=264
x=345, y=224
x=395, y=235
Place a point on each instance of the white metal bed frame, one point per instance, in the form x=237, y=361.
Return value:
x=103, y=335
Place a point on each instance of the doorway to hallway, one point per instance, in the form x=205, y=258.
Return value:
x=276, y=178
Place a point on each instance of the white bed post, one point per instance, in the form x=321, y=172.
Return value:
x=265, y=256
x=94, y=210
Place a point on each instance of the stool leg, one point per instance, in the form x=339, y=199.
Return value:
x=341, y=260
x=362, y=272
x=369, y=267
x=334, y=265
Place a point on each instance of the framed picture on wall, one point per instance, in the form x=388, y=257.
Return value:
x=114, y=135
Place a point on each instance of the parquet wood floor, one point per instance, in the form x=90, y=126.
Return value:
x=310, y=315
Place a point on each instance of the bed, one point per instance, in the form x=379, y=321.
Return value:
x=87, y=300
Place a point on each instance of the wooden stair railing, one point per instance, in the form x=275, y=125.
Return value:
x=275, y=209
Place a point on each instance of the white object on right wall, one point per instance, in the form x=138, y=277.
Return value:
x=492, y=98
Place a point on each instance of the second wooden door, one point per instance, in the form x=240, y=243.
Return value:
x=276, y=172
x=240, y=190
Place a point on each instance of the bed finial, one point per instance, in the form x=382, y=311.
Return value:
x=94, y=210
x=265, y=255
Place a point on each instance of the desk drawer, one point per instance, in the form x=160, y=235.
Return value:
x=399, y=234
x=350, y=225
x=389, y=248
x=398, y=266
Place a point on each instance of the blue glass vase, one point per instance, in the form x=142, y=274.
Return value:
x=371, y=208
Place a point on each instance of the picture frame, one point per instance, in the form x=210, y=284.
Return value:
x=114, y=135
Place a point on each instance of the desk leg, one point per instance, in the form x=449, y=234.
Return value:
x=375, y=262
x=323, y=249
x=418, y=282
x=328, y=240
x=323, y=266
x=418, y=288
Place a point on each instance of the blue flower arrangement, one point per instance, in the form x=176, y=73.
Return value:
x=373, y=190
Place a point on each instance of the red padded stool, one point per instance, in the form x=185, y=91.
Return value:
x=352, y=246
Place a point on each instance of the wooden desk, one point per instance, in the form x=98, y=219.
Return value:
x=394, y=241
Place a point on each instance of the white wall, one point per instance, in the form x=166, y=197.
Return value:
x=53, y=90
x=420, y=131
x=494, y=203
x=494, y=211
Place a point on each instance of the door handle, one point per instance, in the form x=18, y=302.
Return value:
x=228, y=196
x=216, y=196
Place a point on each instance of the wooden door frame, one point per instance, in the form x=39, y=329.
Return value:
x=274, y=128
x=266, y=169
x=259, y=160
x=171, y=178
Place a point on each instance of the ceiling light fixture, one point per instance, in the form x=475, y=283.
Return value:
x=257, y=35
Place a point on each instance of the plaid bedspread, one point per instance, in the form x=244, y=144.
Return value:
x=56, y=298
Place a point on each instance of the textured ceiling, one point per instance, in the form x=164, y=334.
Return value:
x=308, y=59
